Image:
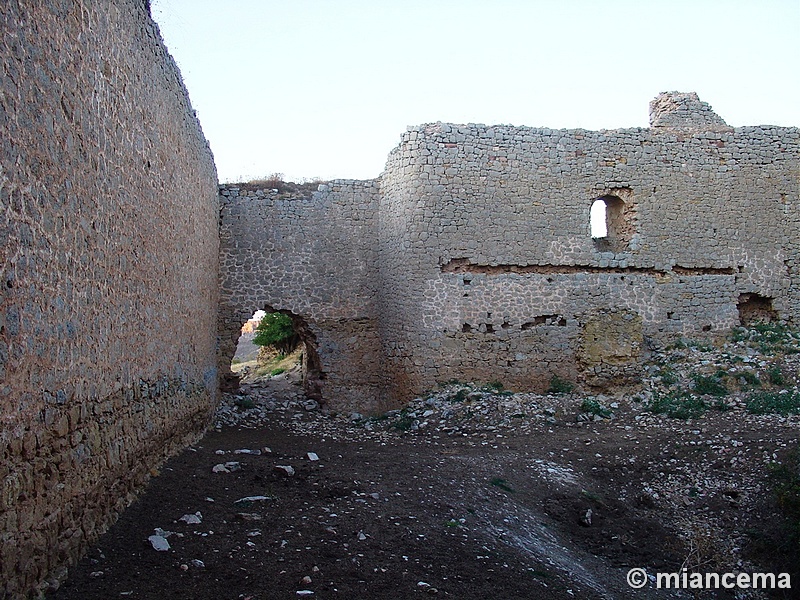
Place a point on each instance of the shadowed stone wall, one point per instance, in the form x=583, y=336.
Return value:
x=108, y=288
x=479, y=262
x=311, y=254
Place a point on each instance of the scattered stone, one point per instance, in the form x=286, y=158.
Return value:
x=194, y=519
x=248, y=451
x=198, y=563
x=163, y=533
x=159, y=543
x=312, y=456
x=249, y=516
x=96, y=574
x=310, y=405
x=286, y=470
x=306, y=580
x=252, y=499
x=305, y=593
x=228, y=467
x=586, y=519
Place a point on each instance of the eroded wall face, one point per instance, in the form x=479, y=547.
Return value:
x=490, y=272
x=109, y=278
x=312, y=255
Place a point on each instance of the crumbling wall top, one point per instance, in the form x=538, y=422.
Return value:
x=677, y=110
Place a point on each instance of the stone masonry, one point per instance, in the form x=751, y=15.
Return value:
x=108, y=278
x=472, y=257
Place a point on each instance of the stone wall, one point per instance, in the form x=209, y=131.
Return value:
x=484, y=266
x=109, y=281
x=311, y=254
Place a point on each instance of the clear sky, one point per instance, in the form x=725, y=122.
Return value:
x=324, y=88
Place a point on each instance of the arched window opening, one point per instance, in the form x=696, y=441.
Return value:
x=597, y=219
x=611, y=220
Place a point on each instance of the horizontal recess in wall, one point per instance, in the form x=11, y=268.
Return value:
x=463, y=265
x=541, y=320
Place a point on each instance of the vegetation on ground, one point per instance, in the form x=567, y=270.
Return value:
x=593, y=407
x=768, y=337
x=560, y=386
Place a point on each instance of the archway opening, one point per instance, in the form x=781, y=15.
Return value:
x=277, y=345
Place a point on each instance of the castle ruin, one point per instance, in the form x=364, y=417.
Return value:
x=127, y=273
x=472, y=257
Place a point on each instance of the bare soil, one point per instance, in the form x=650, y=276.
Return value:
x=484, y=496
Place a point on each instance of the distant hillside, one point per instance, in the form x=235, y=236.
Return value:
x=246, y=350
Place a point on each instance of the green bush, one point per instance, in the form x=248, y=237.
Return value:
x=501, y=483
x=768, y=337
x=767, y=403
x=560, y=386
x=668, y=376
x=709, y=385
x=595, y=408
x=750, y=378
x=775, y=375
x=492, y=386
x=276, y=329
x=678, y=405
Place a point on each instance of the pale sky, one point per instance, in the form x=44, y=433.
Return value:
x=324, y=88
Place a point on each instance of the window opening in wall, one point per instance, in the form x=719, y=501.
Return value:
x=611, y=220
x=597, y=219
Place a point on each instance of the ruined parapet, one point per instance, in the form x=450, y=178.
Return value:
x=676, y=110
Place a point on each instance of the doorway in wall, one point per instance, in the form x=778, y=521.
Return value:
x=278, y=345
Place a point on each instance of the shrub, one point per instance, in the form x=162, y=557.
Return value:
x=595, y=408
x=678, y=405
x=767, y=403
x=668, y=376
x=403, y=423
x=560, y=386
x=276, y=329
x=501, y=483
x=768, y=337
x=775, y=375
x=750, y=378
x=709, y=385
x=492, y=386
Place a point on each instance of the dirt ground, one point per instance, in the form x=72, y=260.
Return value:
x=479, y=495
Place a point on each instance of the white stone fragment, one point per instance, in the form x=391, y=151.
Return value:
x=159, y=543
